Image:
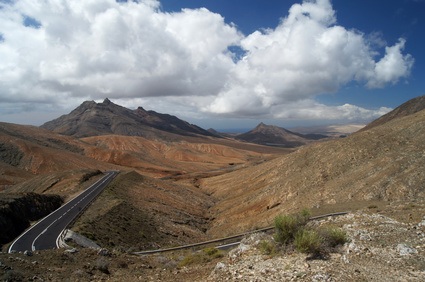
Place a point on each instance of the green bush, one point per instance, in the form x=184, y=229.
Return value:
x=267, y=247
x=212, y=253
x=308, y=241
x=292, y=230
x=333, y=236
x=287, y=226
x=206, y=255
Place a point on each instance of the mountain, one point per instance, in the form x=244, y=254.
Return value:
x=93, y=119
x=408, y=108
x=383, y=163
x=277, y=136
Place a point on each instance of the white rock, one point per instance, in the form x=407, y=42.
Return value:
x=405, y=250
x=220, y=266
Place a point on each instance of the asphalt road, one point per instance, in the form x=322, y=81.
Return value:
x=45, y=233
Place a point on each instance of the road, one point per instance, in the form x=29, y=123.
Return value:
x=45, y=233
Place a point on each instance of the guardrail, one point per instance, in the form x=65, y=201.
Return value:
x=227, y=238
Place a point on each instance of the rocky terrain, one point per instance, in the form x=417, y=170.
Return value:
x=381, y=247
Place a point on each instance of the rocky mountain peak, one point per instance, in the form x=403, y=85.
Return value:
x=88, y=104
x=106, y=101
x=109, y=118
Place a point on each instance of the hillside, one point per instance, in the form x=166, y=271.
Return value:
x=384, y=163
x=277, y=136
x=138, y=212
x=106, y=118
x=408, y=108
x=27, y=151
x=159, y=158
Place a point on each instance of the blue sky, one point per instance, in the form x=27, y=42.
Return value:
x=392, y=19
x=215, y=63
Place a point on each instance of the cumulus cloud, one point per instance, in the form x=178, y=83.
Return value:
x=104, y=48
x=63, y=52
x=392, y=66
x=306, y=55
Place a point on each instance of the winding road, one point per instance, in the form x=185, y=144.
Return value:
x=45, y=233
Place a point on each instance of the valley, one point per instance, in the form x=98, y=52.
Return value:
x=179, y=184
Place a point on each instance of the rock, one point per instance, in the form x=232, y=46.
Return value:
x=28, y=253
x=220, y=267
x=103, y=252
x=71, y=251
x=422, y=223
x=405, y=250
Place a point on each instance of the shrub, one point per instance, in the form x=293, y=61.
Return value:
x=308, y=241
x=287, y=226
x=267, y=247
x=333, y=236
x=206, y=255
x=213, y=253
x=291, y=230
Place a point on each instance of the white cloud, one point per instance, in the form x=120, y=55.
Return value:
x=306, y=55
x=392, y=66
x=134, y=51
x=113, y=49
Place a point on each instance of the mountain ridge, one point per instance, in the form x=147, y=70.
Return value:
x=410, y=107
x=94, y=119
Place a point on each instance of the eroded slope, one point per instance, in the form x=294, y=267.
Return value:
x=383, y=163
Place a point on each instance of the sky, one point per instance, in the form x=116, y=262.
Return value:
x=215, y=63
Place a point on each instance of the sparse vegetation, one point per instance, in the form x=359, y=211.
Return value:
x=293, y=230
x=333, y=236
x=203, y=256
x=267, y=247
x=308, y=241
x=287, y=226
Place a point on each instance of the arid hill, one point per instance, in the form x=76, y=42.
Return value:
x=410, y=107
x=137, y=212
x=277, y=136
x=27, y=151
x=158, y=158
x=384, y=163
x=106, y=118
x=36, y=160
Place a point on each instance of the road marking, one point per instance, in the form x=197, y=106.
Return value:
x=107, y=176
